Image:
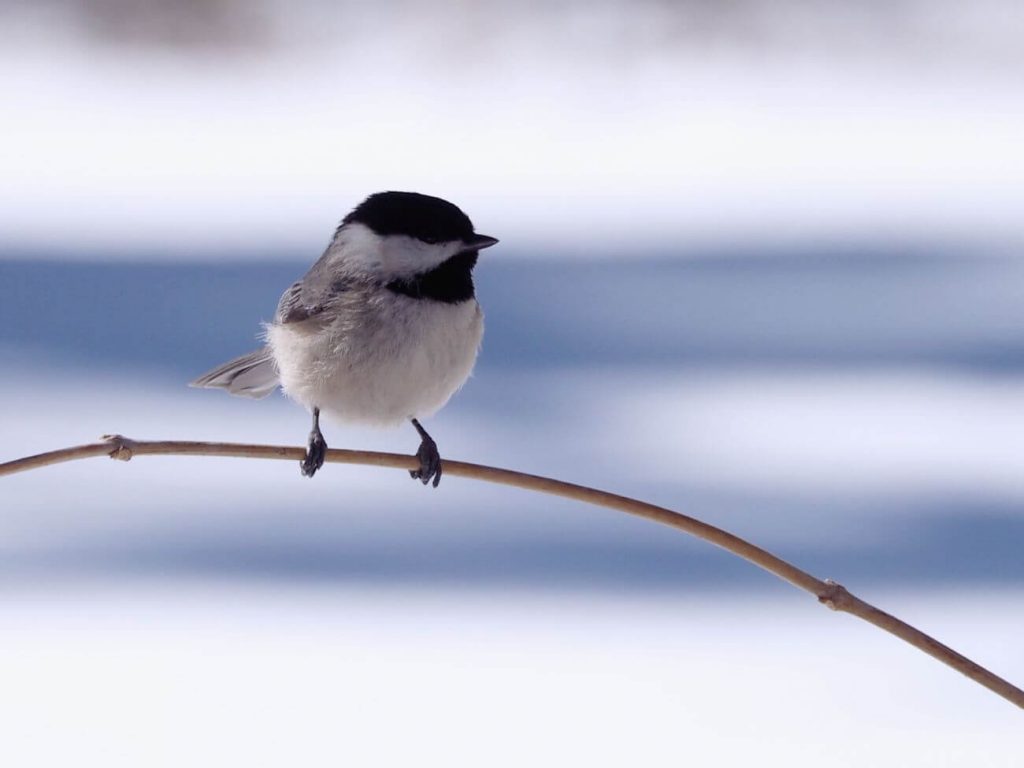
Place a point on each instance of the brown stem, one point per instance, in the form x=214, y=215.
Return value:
x=833, y=595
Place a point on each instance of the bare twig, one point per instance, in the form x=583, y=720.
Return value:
x=833, y=595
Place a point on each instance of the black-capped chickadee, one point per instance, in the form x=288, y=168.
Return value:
x=384, y=327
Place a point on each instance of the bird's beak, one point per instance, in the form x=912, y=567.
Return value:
x=479, y=242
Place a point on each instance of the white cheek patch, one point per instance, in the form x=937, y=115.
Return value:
x=357, y=248
x=407, y=256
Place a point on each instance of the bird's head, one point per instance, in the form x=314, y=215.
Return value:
x=398, y=235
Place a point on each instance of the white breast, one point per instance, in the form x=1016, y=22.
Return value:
x=390, y=359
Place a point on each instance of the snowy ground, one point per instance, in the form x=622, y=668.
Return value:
x=215, y=674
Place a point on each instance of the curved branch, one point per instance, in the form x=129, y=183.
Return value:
x=829, y=593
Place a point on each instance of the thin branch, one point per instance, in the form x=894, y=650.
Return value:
x=829, y=593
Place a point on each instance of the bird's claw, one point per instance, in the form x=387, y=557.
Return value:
x=430, y=463
x=316, y=450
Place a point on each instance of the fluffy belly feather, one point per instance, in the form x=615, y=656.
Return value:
x=386, y=364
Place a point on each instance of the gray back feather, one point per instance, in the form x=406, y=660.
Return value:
x=321, y=286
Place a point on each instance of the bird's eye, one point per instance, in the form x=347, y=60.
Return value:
x=430, y=239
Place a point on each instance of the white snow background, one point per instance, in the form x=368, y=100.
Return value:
x=763, y=268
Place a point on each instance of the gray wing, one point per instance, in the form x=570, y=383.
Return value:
x=315, y=292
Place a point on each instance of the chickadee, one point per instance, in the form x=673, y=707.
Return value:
x=384, y=327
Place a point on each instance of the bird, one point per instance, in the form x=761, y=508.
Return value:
x=384, y=327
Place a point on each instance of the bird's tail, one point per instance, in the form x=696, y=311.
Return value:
x=252, y=375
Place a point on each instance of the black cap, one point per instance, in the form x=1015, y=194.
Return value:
x=426, y=218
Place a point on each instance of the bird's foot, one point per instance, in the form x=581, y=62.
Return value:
x=430, y=462
x=316, y=450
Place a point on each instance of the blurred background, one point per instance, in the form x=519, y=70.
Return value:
x=761, y=262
